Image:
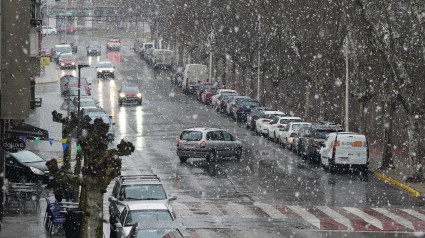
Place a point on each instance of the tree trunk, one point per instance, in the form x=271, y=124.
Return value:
x=275, y=93
x=414, y=150
x=233, y=75
x=223, y=70
x=307, y=102
x=77, y=171
x=361, y=121
x=322, y=107
x=67, y=154
x=92, y=225
x=387, y=155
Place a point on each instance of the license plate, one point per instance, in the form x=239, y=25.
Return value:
x=344, y=159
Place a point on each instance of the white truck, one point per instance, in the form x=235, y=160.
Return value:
x=193, y=75
x=48, y=30
x=162, y=58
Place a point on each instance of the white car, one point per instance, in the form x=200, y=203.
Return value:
x=263, y=122
x=345, y=150
x=105, y=69
x=48, y=30
x=286, y=135
x=214, y=98
x=280, y=123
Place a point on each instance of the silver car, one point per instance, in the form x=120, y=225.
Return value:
x=208, y=143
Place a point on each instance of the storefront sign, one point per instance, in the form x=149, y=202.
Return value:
x=13, y=145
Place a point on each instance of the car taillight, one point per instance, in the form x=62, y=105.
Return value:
x=314, y=145
x=203, y=144
x=178, y=143
x=266, y=120
x=240, y=109
x=280, y=126
x=292, y=135
x=333, y=153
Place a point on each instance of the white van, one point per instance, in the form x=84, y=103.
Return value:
x=145, y=46
x=193, y=75
x=345, y=150
x=162, y=58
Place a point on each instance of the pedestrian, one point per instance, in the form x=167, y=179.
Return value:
x=57, y=191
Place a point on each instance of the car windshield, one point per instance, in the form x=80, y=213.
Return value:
x=93, y=47
x=63, y=49
x=67, y=57
x=296, y=127
x=271, y=116
x=47, y=50
x=212, y=90
x=142, y=192
x=147, y=216
x=129, y=89
x=27, y=157
x=153, y=233
x=206, y=86
x=250, y=104
x=191, y=135
x=321, y=134
x=105, y=65
x=87, y=104
x=104, y=118
x=286, y=121
x=73, y=91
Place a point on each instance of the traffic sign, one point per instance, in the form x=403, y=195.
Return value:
x=45, y=61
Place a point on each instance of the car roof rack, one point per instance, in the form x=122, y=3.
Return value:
x=139, y=177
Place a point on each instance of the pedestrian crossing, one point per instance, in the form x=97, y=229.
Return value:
x=318, y=217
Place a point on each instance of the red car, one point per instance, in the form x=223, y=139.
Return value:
x=202, y=87
x=207, y=95
x=67, y=61
x=47, y=52
x=69, y=30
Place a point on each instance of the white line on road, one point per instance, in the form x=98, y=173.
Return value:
x=336, y=216
x=212, y=209
x=182, y=210
x=307, y=216
x=366, y=217
x=242, y=210
x=415, y=213
x=396, y=218
x=270, y=210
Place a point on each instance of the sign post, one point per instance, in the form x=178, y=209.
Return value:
x=44, y=61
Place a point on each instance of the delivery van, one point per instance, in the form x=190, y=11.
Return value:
x=193, y=75
x=345, y=150
x=162, y=58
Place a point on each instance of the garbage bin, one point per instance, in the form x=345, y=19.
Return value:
x=74, y=219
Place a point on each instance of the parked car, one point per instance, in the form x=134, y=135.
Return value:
x=67, y=30
x=94, y=49
x=208, y=143
x=159, y=229
x=243, y=108
x=193, y=75
x=287, y=134
x=63, y=83
x=129, y=94
x=73, y=46
x=207, y=95
x=132, y=214
x=137, y=46
x=316, y=140
x=145, y=47
x=280, y=123
x=105, y=69
x=220, y=92
x=262, y=124
x=72, y=92
x=67, y=61
x=299, y=140
x=47, y=52
x=61, y=49
x=203, y=86
x=162, y=59
x=86, y=102
x=345, y=150
x=48, y=30
x=178, y=77
x=232, y=104
x=94, y=113
x=26, y=166
x=148, y=54
x=254, y=115
x=73, y=82
x=136, y=189
x=113, y=43
x=222, y=101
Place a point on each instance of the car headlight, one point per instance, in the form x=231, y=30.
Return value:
x=36, y=171
x=73, y=63
x=122, y=95
x=62, y=64
x=111, y=70
x=98, y=50
x=139, y=95
x=99, y=70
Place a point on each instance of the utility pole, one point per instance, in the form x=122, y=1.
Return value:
x=346, y=87
x=259, y=63
x=211, y=55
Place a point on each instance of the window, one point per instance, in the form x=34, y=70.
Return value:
x=214, y=135
x=142, y=192
x=147, y=216
x=227, y=136
x=122, y=216
x=191, y=135
x=115, y=190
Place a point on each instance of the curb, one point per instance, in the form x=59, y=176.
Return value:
x=61, y=160
x=47, y=82
x=405, y=187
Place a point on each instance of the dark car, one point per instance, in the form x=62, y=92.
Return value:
x=207, y=95
x=47, y=52
x=315, y=141
x=254, y=115
x=244, y=107
x=178, y=77
x=73, y=46
x=93, y=49
x=299, y=139
x=71, y=81
x=63, y=83
x=113, y=43
x=223, y=100
x=67, y=61
x=202, y=88
x=26, y=166
x=129, y=94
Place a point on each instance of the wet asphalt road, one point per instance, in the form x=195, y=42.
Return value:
x=230, y=194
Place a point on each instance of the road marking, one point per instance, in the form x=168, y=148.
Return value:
x=183, y=210
x=400, y=220
x=212, y=209
x=336, y=216
x=270, y=210
x=242, y=210
x=366, y=217
x=308, y=217
x=414, y=213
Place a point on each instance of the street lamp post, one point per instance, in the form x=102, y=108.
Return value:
x=80, y=66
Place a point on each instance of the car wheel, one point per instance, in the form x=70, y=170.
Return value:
x=119, y=103
x=321, y=164
x=238, y=154
x=139, y=102
x=332, y=168
x=183, y=159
